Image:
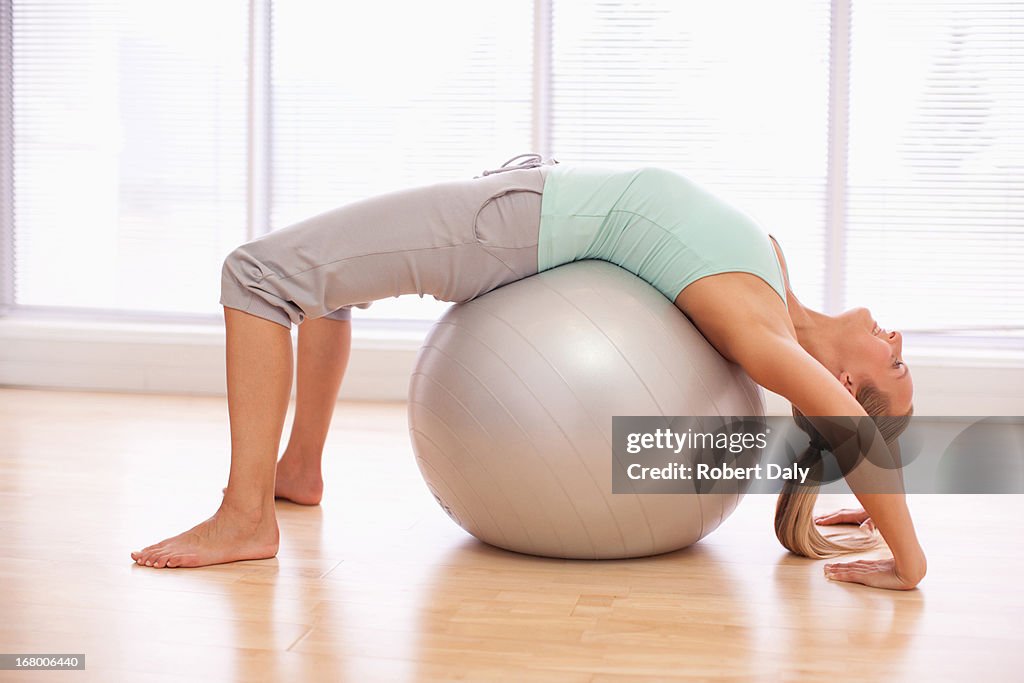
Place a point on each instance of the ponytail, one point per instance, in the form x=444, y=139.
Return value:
x=794, y=512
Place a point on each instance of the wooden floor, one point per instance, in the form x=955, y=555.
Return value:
x=377, y=584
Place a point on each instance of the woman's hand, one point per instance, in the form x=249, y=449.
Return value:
x=847, y=516
x=874, y=573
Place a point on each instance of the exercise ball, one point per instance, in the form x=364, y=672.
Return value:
x=510, y=408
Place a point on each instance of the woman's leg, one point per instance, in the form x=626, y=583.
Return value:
x=324, y=346
x=453, y=240
x=259, y=376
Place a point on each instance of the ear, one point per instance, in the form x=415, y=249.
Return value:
x=846, y=379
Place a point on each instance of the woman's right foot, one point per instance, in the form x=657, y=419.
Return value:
x=299, y=485
x=296, y=484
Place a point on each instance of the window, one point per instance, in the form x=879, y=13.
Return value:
x=879, y=140
x=129, y=155
x=370, y=97
x=705, y=89
x=935, y=220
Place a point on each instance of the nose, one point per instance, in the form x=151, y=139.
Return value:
x=897, y=339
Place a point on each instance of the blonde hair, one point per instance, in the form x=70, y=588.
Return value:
x=794, y=512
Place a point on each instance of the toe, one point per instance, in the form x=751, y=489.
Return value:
x=185, y=561
x=151, y=549
x=161, y=559
x=150, y=553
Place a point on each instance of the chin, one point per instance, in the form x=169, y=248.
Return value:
x=859, y=319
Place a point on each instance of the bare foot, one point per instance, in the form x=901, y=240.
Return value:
x=297, y=485
x=225, y=537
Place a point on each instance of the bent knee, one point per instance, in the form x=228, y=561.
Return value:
x=241, y=267
x=240, y=277
x=243, y=288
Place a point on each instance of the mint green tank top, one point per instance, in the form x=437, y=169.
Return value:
x=653, y=222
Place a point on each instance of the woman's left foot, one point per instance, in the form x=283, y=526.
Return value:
x=228, y=536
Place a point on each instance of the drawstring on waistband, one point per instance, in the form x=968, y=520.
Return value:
x=532, y=161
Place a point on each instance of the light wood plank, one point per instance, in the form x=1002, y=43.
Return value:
x=377, y=584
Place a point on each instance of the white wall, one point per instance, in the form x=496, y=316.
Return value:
x=189, y=359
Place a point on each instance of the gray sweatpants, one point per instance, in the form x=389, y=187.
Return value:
x=454, y=240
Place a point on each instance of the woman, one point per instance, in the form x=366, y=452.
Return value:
x=456, y=240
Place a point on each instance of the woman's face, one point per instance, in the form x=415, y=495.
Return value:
x=871, y=354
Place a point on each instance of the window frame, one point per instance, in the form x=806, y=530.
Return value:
x=6, y=157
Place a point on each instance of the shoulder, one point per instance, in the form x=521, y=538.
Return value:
x=733, y=309
x=748, y=324
x=779, y=364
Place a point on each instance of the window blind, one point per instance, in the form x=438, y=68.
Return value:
x=732, y=94
x=372, y=97
x=129, y=122
x=129, y=133
x=935, y=235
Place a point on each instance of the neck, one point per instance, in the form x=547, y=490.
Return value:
x=814, y=332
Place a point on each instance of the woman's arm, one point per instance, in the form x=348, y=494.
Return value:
x=780, y=364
